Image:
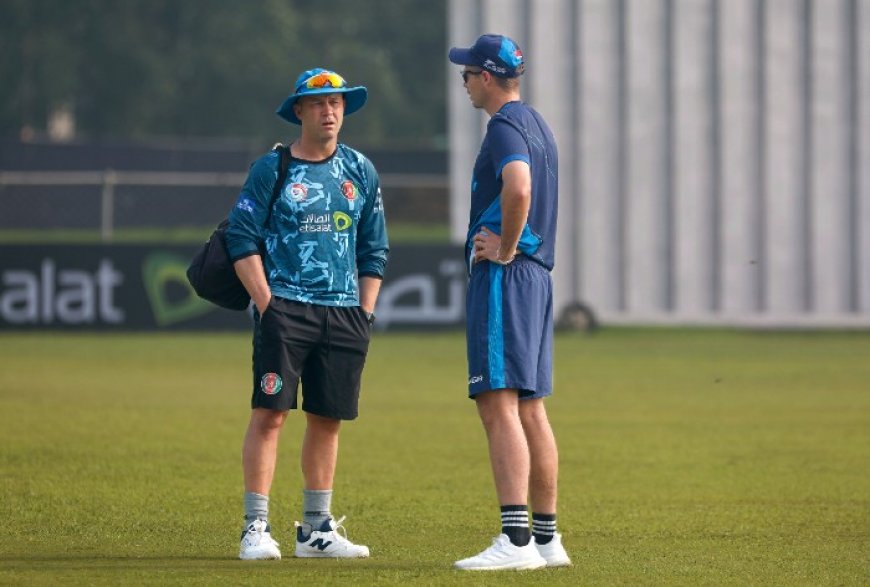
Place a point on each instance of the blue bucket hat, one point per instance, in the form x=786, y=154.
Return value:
x=497, y=54
x=322, y=81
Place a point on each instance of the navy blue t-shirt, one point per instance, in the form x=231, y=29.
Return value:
x=517, y=132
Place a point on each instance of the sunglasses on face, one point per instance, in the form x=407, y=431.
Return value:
x=465, y=73
x=325, y=80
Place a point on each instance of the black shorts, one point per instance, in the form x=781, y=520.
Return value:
x=323, y=346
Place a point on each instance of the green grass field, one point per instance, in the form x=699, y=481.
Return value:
x=688, y=457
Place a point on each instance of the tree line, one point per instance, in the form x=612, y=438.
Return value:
x=219, y=68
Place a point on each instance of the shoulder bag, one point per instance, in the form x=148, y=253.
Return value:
x=211, y=272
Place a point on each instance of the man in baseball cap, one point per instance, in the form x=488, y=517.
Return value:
x=510, y=250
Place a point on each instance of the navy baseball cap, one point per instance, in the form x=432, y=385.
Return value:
x=322, y=81
x=497, y=54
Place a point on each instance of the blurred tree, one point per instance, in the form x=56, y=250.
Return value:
x=219, y=68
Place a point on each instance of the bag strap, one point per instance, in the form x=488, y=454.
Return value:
x=283, y=166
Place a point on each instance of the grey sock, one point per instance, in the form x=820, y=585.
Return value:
x=256, y=506
x=315, y=506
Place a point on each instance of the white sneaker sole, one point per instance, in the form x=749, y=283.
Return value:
x=322, y=555
x=517, y=566
x=260, y=555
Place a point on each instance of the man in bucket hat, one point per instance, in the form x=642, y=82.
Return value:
x=509, y=319
x=312, y=262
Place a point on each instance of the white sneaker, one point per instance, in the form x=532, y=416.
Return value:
x=553, y=552
x=257, y=542
x=503, y=555
x=327, y=542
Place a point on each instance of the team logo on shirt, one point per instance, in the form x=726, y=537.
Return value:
x=298, y=192
x=271, y=383
x=348, y=190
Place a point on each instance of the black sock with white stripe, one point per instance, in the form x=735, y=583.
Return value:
x=515, y=523
x=543, y=527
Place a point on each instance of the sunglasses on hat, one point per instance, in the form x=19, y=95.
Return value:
x=324, y=80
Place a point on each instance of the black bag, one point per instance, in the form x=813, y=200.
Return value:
x=211, y=272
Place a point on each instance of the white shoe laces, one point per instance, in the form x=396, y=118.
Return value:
x=257, y=533
x=343, y=533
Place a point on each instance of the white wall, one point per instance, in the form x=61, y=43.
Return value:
x=715, y=154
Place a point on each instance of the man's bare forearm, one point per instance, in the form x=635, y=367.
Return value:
x=253, y=277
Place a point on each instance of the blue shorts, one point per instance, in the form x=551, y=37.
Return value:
x=509, y=328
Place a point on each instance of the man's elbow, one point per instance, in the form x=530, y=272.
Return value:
x=519, y=197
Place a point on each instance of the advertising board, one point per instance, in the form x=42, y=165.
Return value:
x=141, y=287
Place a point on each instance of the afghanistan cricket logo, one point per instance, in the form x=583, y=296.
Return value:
x=271, y=383
x=348, y=190
x=298, y=192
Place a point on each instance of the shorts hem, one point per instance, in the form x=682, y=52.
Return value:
x=525, y=392
x=254, y=406
x=343, y=417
